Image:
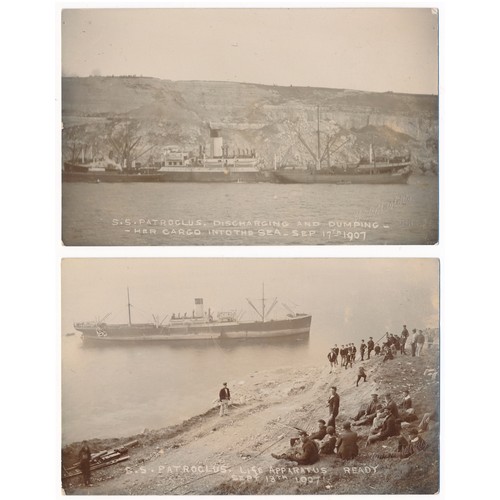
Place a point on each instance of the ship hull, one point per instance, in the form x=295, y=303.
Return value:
x=97, y=177
x=181, y=176
x=311, y=177
x=215, y=176
x=285, y=328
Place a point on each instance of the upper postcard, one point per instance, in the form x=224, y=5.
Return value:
x=249, y=127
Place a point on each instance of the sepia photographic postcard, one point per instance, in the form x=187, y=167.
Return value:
x=199, y=126
x=250, y=376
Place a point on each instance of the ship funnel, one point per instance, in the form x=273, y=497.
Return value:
x=198, y=308
x=216, y=143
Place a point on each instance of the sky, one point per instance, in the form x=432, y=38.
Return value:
x=347, y=296
x=363, y=49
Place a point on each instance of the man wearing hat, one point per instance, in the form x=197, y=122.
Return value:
x=224, y=398
x=371, y=346
x=309, y=454
x=365, y=416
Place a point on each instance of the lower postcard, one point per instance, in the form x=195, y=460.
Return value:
x=250, y=376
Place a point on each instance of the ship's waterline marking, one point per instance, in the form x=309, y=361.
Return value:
x=356, y=230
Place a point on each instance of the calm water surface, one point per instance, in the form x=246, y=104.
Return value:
x=120, y=390
x=250, y=214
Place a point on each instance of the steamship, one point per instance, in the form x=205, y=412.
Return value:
x=177, y=166
x=200, y=325
x=218, y=166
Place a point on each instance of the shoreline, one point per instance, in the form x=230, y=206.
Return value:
x=207, y=454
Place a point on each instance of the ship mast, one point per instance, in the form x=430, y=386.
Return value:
x=128, y=301
x=263, y=303
x=263, y=315
x=319, y=146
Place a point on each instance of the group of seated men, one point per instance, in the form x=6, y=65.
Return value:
x=322, y=442
x=386, y=419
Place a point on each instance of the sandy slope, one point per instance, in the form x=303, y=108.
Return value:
x=209, y=454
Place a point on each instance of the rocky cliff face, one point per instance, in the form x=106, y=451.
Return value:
x=268, y=119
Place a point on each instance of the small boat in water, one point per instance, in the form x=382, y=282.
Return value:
x=201, y=325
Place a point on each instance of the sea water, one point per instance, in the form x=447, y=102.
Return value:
x=133, y=214
x=119, y=390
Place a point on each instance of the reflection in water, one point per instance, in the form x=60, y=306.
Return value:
x=204, y=345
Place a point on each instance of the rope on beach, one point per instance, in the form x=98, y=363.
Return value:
x=234, y=465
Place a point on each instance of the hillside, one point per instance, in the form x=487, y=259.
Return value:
x=261, y=117
x=212, y=455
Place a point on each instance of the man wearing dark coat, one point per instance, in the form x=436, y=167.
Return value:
x=362, y=349
x=328, y=448
x=407, y=446
x=309, y=454
x=84, y=455
x=224, y=398
x=347, y=446
x=361, y=375
x=370, y=410
x=391, y=405
x=406, y=403
x=336, y=350
x=371, y=346
x=321, y=432
x=333, y=405
x=389, y=428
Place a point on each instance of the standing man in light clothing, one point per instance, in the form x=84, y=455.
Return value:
x=224, y=398
x=420, y=342
x=413, y=342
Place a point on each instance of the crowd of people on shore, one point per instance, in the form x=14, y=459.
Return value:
x=385, y=417
x=392, y=344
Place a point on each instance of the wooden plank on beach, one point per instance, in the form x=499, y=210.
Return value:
x=78, y=472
